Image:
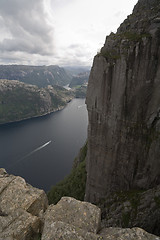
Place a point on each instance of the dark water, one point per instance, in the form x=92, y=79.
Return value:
x=42, y=150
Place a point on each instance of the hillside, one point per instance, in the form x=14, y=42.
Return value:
x=75, y=70
x=20, y=101
x=41, y=76
x=80, y=79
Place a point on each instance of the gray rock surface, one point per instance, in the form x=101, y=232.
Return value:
x=123, y=103
x=16, y=193
x=126, y=234
x=22, y=216
x=19, y=225
x=72, y=219
x=133, y=209
x=60, y=230
x=21, y=208
x=71, y=211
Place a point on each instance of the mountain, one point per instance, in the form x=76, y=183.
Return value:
x=75, y=70
x=20, y=100
x=41, y=76
x=80, y=79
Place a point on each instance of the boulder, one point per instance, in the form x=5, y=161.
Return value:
x=21, y=208
x=126, y=234
x=83, y=215
x=19, y=225
x=133, y=209
x=16, y=193
x=74, y=220
x=22, y=215
x=60, y=230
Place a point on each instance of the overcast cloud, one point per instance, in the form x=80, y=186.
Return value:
x=62, y=32
x=25, y=28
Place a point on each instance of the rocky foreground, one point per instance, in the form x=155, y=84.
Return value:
x=25, y=215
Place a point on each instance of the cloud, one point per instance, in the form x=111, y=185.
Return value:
x=25, y=27
x=61, y=32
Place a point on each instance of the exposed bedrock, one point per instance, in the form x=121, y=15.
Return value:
x=123, y=101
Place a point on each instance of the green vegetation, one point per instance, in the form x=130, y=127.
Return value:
x=74, y=184
x=131, y=36
x=132, y=196
x=127, y=202
x=20, y=101
x=157, y=201
x=110, y=55
x=79, y=80
x=134, y=36
x=81, y=157
x=80, y=91
x=113, y=53
x=126, y=219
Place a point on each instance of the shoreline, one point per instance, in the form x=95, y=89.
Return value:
x=37, y=116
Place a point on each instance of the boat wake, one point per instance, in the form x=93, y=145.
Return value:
x=29, y=154
x=37, y=149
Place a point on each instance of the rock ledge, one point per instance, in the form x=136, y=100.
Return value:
x=25, y=215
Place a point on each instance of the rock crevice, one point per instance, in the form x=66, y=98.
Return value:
x=25, y=215
x=123, y=104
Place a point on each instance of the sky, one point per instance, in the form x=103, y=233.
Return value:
x=57, y=32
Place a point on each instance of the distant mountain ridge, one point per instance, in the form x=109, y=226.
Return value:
x=75, y=70
x=41, y=76
x=80, y=79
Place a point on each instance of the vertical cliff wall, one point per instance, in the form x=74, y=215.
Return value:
x=123, y=101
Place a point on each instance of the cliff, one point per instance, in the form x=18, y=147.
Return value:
x=123, y=103
x=25, y=215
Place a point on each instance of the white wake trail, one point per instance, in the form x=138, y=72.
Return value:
x=39, y=148
x=29, y=154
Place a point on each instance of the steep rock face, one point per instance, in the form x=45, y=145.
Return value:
x=123, y=103
x=133, y=209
